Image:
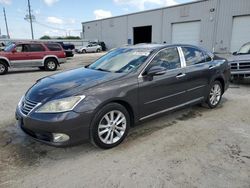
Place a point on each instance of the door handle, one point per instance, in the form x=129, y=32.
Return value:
x=211, y=67
x=180, y=75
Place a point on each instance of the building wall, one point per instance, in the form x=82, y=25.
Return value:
x=227, y=10
x=143, y=19
x=216, y=18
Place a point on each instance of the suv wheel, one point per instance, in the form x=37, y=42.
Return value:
x=50, y=64
x=98, y=50
x=3, y=68
x=215, y=94
x=110, y=126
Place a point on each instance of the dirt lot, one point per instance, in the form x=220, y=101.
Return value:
x=194, y=147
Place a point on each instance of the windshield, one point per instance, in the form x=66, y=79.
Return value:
x=9, y=47
x=245, y=49
x=122, y=60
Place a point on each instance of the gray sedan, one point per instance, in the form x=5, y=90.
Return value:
x=128, y=85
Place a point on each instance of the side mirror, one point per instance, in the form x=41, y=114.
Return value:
x=156, y=71
x=235, y=53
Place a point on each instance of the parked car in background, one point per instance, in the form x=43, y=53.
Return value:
x=101, y=101
x=68, y=48
x=240, y=62
x=102, y=44
x=46, y=56
x=90, y=48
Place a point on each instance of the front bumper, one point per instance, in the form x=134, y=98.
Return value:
x=241, y=73
x=42, y=126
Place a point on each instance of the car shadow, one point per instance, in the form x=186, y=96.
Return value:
x=243, y=82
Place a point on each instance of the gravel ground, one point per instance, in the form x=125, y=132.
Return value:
x=193, y=147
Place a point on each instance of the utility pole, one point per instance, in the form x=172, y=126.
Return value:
x=31, y=20
x=6, y=23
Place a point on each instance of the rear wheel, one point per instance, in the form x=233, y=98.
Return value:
x=98, y=50
x=83, y=51
x=3, y=68
x=215, y=95
x=110, y=126
x=50, y=64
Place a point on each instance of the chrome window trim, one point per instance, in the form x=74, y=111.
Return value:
x=203, y=52
x=151, y=59
x=182, y=57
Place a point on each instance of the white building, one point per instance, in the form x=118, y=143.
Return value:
x=219, y=25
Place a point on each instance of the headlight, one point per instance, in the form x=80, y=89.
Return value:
x=60, y=105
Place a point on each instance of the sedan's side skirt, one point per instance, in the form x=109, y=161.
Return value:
x=173, y=108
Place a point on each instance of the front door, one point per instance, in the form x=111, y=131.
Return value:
x=160, y=93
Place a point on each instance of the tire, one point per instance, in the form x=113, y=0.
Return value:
x=3, y=68
x=98, y=50
x=84, y=51
x=214, y=95
x=101, y=130
x=50, y=64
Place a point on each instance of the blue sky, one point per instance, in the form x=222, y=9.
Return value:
x=64, y=17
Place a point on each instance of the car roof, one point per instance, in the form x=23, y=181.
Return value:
x=150, y=46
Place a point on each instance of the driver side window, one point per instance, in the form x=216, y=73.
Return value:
x=22, y=48
x=168, y=58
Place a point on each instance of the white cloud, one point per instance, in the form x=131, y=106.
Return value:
x=50, y=2
x=6, y=2
x=99, y=14
x=140, y=4
x=54, y=20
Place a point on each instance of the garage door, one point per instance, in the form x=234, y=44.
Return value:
x=186, y=33
x=241, y=32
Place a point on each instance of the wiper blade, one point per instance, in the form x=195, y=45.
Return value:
x=100, y=69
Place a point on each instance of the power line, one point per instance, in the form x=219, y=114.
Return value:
x=31, y=18
x=6, y=23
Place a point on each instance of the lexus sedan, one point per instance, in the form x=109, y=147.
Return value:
x=100, y=102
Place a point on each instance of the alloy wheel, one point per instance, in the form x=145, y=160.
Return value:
x=51, y=65
x=215, y=94
x=112, y=127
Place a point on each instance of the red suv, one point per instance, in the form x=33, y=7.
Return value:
x=32, y=54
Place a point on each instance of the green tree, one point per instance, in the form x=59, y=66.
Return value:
x=45, y=37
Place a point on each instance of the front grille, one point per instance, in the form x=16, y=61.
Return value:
x=27, y=106
x=240, y=66
x=234, y=66
x=244, y=66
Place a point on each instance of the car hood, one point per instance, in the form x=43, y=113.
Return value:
x=68, y=83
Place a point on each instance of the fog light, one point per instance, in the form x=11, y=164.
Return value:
x=59, y=137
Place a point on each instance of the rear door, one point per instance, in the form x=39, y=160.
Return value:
x=160, y=93
x=199, y=70
x=36, y=54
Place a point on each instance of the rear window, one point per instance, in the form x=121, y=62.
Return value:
x=54, y=47
x=36, y=48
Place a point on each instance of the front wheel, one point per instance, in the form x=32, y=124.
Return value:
x=215, y=95
x=3, y=68
x=50, y=65
x=110, y=126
